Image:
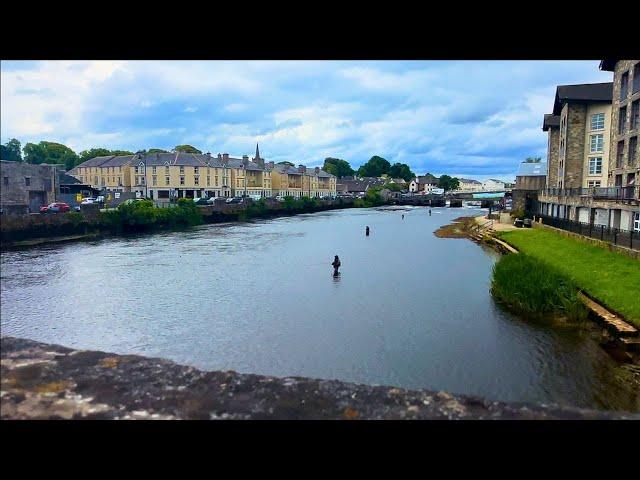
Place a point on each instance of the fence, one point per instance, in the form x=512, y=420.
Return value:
x=615, y=236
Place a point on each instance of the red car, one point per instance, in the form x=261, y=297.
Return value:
x=56, y=207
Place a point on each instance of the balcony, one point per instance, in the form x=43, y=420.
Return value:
x=622, y=194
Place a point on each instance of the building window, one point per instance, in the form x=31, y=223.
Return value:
x=216, y=180
x=595, y=166
x=636, y=222
x=593, y=183
x=135, y=170
x=635, y=114
x=622, y=120
x=636, y=78
x=633, y=150
x=597, y=121
x=154, y=179
x=166, y=180
x=181, y=180
x=6, y=180
x=208, y=180
x=119, y=181
x=166, y=170
x=27, y=181
x=620, y=154
x=95, y=180
x=624, y=85
x=196, y=180
x=195, y=170
x=597, y=143
x=181, y=170
x=153, y=170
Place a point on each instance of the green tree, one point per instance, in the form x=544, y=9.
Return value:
x=121, y=152
x=186, y=149
x=11, y=151
x=157, y=150
x=50, y=152
x=286, y=163
x=338, y=167
x=375, y=167
x=533, y=160
x=401, y=170
x=85, y=155
x=448, y=183
x=394, y=187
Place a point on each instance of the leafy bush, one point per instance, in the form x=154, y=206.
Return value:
x=531, y=287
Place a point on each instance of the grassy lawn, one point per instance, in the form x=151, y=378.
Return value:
x=611, y=278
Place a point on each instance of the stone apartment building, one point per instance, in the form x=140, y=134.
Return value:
x=578, y=148
x=593, y=147
x=624, y=159
x=26, y=187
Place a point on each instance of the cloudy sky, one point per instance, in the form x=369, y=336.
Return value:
x=466, y=118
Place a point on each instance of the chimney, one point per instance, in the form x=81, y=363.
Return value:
x=219, y=156
x=317, y=170
x=245, y=160
x=270, y=165
x=302, y=169
x=225, y=157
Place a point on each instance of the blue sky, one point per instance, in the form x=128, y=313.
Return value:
x=474, y=119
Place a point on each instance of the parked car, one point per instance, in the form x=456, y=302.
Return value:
x=55, y=207
x=201, y=201
x=235, y=200
x=255, y=198
x=87, y=201
x=280, y=198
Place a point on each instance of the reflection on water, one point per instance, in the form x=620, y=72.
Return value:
x=408, y=309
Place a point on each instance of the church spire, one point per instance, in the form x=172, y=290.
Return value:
x=257, y=151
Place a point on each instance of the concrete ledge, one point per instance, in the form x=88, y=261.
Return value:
x=41, y=381
x=592, y=241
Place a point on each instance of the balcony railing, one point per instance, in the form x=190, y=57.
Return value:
x=617, y=236
x=597, y=193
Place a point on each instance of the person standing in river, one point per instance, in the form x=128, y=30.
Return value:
x=336, y=266
x=403, y=216
x=429, y=212
x=366, y=232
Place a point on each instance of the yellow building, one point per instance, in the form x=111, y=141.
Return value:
x=162, y=176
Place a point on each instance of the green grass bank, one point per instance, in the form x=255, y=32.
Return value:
x=611, y=278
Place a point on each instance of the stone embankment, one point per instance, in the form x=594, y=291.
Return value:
x=42, y=381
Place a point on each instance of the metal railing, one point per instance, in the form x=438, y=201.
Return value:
x=605, y=193
x=616, y=236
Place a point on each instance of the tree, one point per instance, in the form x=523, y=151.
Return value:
x=533, y=160
x=401, y=170
x=338, y=167
x=286, y=163
x=156, y=150
x=375, y=167
x=50, y=152
x=186, y=149
x=11, y=151
x=448, y=183
x=85, y=155
x=394, y=187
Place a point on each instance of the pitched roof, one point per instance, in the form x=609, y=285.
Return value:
x=608, y=65
x=582, y=93
x=469, y=180
x=550, y=120
x=532, y=169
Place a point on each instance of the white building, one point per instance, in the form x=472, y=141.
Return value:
x=493, y=185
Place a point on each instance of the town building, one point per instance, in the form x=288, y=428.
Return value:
x=163, y=176
x=597, y=155
x=423, y=184
x=26, y=187
x=530, y=180
x=583, y=114
x=469, y=185
x=493, y=185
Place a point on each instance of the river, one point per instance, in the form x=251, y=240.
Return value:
x=408, y=309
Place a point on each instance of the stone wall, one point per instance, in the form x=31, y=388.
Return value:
x=552, y=156
x=621, y=67
x=574, y=159
x=42, y=381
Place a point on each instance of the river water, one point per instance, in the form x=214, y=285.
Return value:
x=408, y=309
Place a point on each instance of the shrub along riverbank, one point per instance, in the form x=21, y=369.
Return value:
x=534, y=289
x=142, y=216
x=610, y=278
